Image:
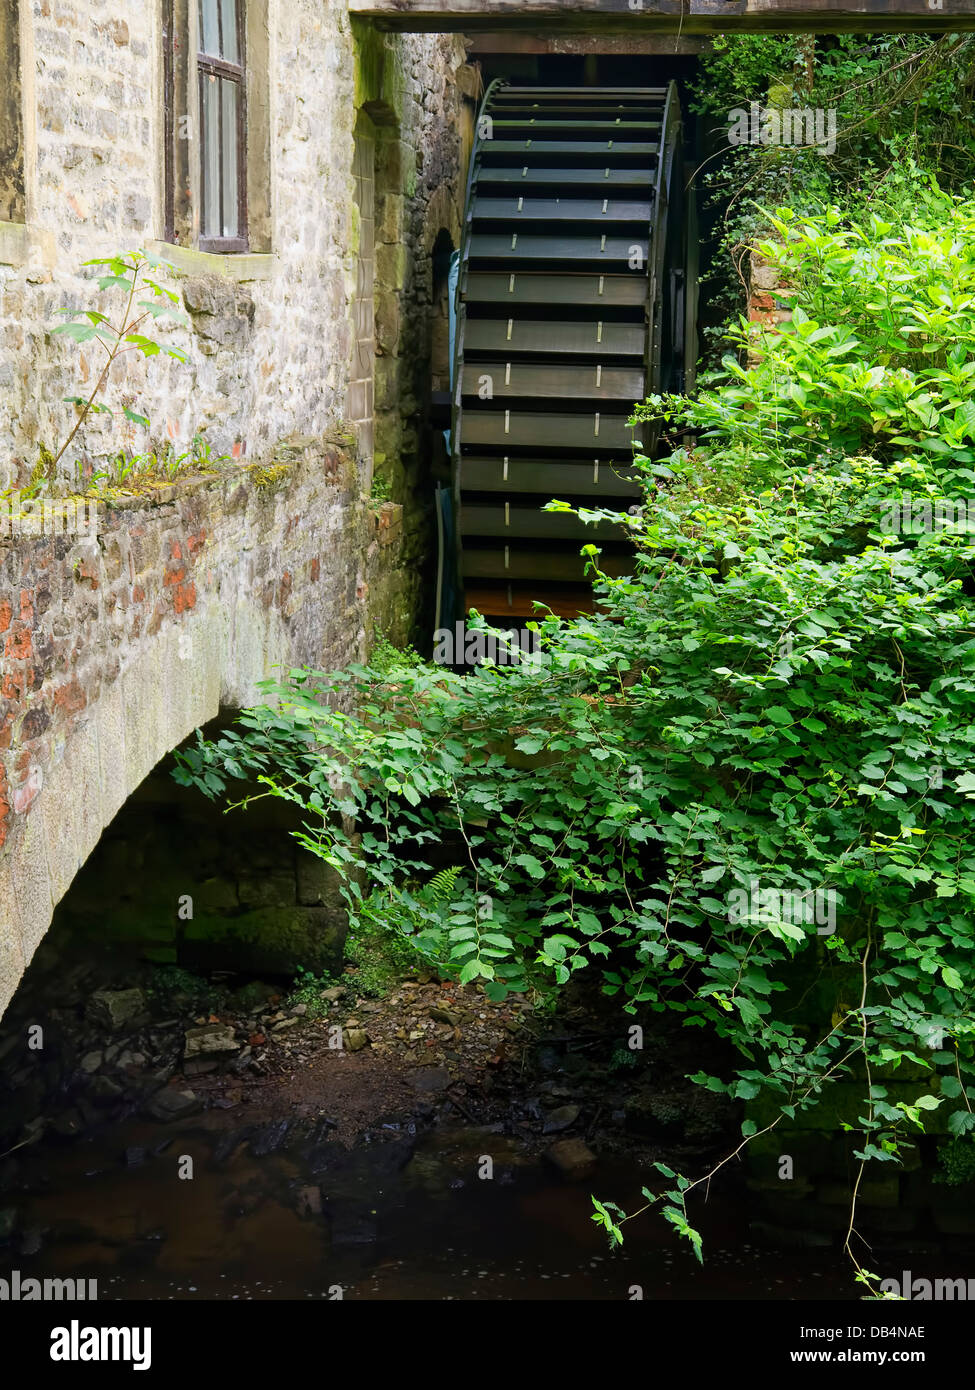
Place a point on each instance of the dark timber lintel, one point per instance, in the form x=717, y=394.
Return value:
x=633, y=17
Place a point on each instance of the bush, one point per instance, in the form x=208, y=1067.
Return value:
x=745, y=780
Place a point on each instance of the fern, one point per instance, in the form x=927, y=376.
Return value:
x=441, y=886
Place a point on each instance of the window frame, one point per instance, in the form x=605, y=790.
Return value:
x=211, y=65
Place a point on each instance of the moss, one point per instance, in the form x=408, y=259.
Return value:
x=368, y=62
x=43, y=470
x=273, y=940
x=270, y=477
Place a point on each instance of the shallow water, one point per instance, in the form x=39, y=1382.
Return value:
x=246, y=1227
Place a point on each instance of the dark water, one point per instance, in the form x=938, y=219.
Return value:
x=316, y=1222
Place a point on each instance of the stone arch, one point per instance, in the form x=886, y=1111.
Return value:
x=120, y=642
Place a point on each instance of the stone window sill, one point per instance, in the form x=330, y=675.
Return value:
x=18, y=241
x=245, y=265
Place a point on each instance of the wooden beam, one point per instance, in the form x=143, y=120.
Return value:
x=632, y=45
x=686, y=17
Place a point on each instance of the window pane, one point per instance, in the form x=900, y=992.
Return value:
x=230, y=227
x=209, y=30
x=211, y=157
x=228, y=30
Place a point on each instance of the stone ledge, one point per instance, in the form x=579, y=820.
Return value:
x=18, y=240
x=245, y=265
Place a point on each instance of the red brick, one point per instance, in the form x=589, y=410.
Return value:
x=70, y=697
x=18, y=644
x=184, y=596
x=6, y=613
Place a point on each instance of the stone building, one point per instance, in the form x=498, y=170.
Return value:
x=302, y=173
x=296, y=172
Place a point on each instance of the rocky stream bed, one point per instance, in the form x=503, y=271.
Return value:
x=191, y=1136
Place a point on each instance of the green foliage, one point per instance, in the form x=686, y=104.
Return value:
x=385, y=658
x=380, y=490
x=776, y=704
x=623, y=1059
x=897, y=97
x=127, y=470
x=182, y=991
x=377, y=947
x=903, y=104
x=125, y=274
x=957, y=1163
x=307, y=990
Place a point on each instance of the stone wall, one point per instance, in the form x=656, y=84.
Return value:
x=270, y=342
x=117, y=646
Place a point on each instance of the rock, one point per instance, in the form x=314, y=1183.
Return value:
x=169, y=1104
x=134, y=1156
x=252, y=995
x=116, y=1009
x=355, y=1039
x=269, y=1139
x=572, y=1158
x=284, y=1025
x=300, y=1010
x=212, y=1037
x=309, y=1201
x=349, y=1228
x=430, y=1079
x=331, y=995
x=91, y=1062
x=131, y=1059
x=105, y=1090
x=199, y=1066
x=444, y=1016
x=31, y=1242
x=68, y=1125
x=560, y=1119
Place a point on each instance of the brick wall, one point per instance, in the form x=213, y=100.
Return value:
x=116, y=647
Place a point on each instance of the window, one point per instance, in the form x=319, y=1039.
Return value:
x=223, y=126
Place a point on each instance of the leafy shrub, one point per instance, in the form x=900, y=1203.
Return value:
x=775, y=707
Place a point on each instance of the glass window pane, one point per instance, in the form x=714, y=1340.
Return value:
x=210, y=225
x=230, y=227
x=209, y=27
x=228, y=30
